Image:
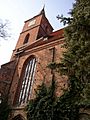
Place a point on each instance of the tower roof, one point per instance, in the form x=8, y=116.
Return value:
x=42, y=11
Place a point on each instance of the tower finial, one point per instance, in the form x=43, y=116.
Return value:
x=44, y=6
x=43, y=11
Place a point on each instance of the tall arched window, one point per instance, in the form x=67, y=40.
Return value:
x=26, y=38
x=27, y=81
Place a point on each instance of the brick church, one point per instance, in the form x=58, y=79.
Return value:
x=37, y=46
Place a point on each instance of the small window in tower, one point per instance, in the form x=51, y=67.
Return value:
x=26, y=38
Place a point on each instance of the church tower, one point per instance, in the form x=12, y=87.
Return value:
x=34, y=30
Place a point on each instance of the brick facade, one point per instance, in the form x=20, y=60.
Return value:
x=43, y=44
x=6, y=77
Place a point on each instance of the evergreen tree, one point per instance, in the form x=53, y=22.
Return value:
x=76, y=61
x=77, y=39
x=42, y=107
x=4, y=109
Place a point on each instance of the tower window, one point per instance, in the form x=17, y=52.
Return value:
x=27, y=81
x=26, y=38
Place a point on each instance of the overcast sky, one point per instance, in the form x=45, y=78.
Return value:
x=18, y=11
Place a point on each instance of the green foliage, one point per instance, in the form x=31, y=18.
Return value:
x=65, y=20
x=4, y=110
x=76, y=60
x=42, y=106
x=66, y=107
x=49, y=107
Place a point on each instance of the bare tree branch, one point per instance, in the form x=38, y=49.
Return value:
x=4, y=29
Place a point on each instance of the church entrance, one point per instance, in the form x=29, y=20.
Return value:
x=18, y=117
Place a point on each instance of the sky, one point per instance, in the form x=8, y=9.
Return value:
x=18, y=11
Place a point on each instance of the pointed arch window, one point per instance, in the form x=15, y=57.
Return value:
x=26, y=38
x=18, y=117
x=27, y=81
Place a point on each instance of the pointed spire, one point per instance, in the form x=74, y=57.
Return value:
x=43, y=11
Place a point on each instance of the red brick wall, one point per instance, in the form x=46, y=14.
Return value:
x=44, y=57
x=6, y=76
